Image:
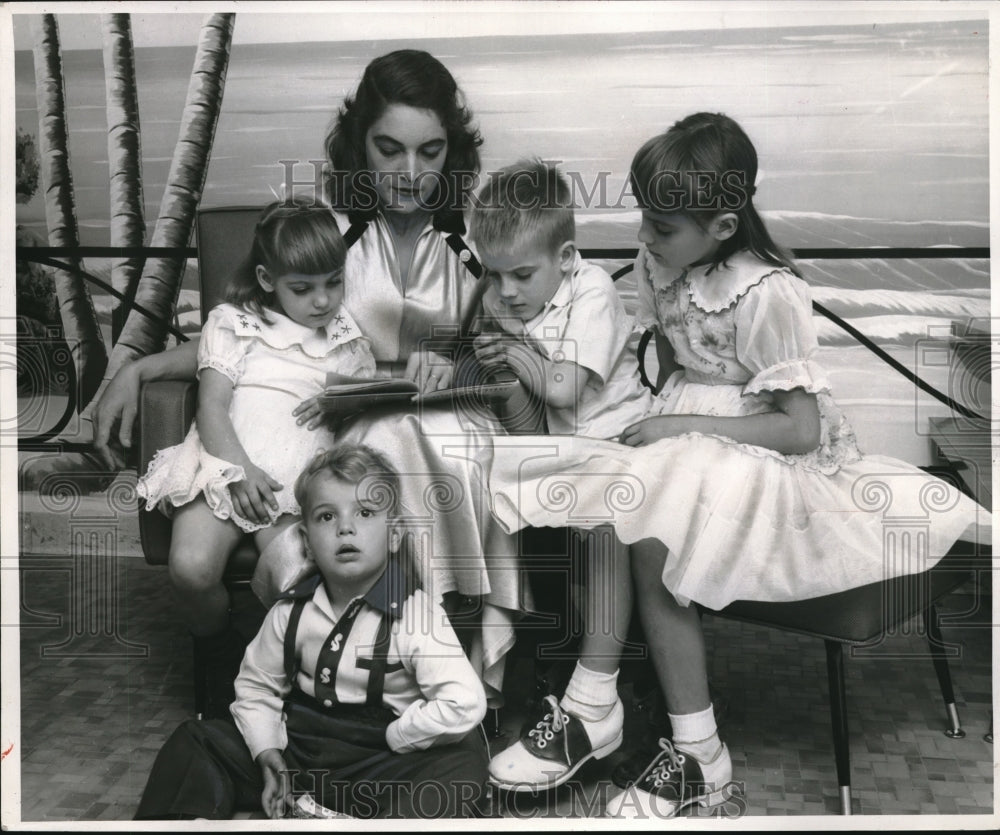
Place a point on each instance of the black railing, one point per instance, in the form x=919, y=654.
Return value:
x=49, y=256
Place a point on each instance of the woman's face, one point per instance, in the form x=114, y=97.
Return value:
x=406, y=149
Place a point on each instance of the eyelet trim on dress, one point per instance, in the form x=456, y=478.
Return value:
x=222, y=368
x=213, y=487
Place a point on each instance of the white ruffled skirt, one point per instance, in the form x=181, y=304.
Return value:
x=266, y=429
x=740, y=522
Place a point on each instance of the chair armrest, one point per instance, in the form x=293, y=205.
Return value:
x=166, y=409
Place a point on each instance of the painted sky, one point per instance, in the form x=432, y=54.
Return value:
x=171, y=24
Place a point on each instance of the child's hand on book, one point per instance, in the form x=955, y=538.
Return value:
x=430, y=371
x=308, y=412
x=495, y=350
x=252, y=496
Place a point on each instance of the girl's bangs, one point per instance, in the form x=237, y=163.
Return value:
x=660, y=179
x=309, y=246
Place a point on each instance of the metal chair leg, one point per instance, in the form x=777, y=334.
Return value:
x=200, y=677
x=838, y=717
x=492, y=723
x=935, y=642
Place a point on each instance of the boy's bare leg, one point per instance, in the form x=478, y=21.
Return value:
x=608, y=600
x=587, y=723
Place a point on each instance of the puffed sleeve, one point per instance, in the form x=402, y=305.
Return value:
x=220, y=348
x=645, y=313
x=776, y=339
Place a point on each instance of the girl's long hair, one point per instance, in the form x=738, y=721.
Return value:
x=705, y=164
x=416, y=79
x=291, y=236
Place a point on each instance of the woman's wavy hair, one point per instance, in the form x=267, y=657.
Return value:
x=706, y=164
x=416, y=79
x=291, y=236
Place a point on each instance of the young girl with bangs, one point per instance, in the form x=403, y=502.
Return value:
x=261, y=354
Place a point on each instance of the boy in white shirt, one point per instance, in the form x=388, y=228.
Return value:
x=571, y=347
x=355, y=693
x=558, y=324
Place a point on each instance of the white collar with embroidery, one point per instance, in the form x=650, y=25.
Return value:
x=716, y=289
x=283, y=333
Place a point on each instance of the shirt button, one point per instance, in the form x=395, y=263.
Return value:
x=465, y=256
x=327, y=703
x=393, y=605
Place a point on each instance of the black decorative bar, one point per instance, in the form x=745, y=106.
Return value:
x=46, y=254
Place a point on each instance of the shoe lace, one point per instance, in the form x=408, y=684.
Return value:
x=663, y=765
x=551, y=723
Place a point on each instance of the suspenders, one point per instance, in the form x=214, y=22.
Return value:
x=461, y=249
x=355, y=231
x=332, y=653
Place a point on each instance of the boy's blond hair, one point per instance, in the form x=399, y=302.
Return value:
x=527, y=202
x=375, y=477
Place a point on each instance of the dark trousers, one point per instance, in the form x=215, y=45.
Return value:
x=205, y=770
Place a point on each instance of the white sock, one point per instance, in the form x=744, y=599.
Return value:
x=590, y=695
x=697, y=734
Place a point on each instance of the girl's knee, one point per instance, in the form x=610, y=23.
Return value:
x=194, y=569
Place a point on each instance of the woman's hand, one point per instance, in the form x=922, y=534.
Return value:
x=309, y=413
x=277, y=795
x=430, y=371
x=117, y=406
x=252, y=496
x=653, y=429
x=120, y=399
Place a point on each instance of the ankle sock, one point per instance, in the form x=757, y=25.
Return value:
x=697, y=734
x=590, y=695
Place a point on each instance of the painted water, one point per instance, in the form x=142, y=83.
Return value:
x=867, y=135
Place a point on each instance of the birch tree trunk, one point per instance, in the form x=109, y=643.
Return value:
x=76, y=308
x=161, y=280
x=128, y=226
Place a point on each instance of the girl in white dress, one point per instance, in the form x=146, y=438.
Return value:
x=746, y=481
x=260, y=355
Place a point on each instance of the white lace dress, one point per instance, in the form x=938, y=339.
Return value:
x=273, y=367
x=741, y=522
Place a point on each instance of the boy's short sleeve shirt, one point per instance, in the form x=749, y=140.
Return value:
x=585, y=323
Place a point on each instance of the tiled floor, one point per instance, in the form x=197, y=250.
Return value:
x=95, y=709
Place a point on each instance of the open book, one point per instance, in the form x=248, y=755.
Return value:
x=346, y=395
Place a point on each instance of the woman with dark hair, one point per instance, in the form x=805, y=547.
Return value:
x=413, y=79
x=404, y=154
